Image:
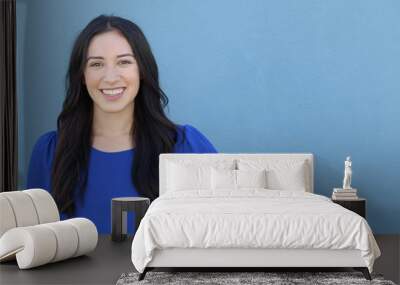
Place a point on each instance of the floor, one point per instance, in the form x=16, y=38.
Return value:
x=110, y=260
x=389, y=262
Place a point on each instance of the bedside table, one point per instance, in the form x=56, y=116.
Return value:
x=357, y=206
x=119, y=208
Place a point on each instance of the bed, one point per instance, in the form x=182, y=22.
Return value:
x=247, y=210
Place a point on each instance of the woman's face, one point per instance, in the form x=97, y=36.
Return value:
x=111, y=73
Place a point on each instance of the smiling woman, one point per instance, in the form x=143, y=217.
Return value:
x=112, y=127
x=111, y=75
x=110, y=72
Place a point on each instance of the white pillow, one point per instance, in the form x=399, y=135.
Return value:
x=182, y=177
x=288, y=174
x=251, y=178
x=223, y=179
x=236, y=179
x=186, y=174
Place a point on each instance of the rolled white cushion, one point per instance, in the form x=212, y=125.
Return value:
x=87, y=235
x=33, y=246
x=23, y=208
x=26, y=208
x=45, y=206
x=7, y=218
x=67, y=240
x=40, y=244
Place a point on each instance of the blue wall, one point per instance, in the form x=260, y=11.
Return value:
x=253, y=76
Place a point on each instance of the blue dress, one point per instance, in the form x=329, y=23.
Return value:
x=109, y=175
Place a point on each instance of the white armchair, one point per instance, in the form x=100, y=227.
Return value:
x=31, y=230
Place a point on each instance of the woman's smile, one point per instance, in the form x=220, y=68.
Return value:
x=113, y=94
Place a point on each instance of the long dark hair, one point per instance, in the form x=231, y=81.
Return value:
x=153, y=133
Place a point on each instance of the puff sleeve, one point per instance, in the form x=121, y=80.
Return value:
x=193, y=141
x=39, y=171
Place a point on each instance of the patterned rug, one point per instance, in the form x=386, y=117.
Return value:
x=243, y=278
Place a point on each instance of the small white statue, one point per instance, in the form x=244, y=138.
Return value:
x=347, y=174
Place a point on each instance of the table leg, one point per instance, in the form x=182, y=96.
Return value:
x=140, y=211
x=116, y=224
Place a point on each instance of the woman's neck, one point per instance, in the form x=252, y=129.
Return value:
x=108, y=124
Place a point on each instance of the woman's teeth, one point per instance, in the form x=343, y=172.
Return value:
x=112, y=92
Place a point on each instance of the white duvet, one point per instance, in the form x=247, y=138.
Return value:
x=250, y=218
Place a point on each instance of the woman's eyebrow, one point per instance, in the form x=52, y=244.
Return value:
x=118, y=56
x=125, y=54
x=94, y=57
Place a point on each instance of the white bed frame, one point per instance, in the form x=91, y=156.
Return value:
x=189, y=257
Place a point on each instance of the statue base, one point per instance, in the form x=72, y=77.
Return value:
x=352, y=190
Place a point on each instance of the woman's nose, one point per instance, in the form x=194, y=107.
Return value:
x=111, y=75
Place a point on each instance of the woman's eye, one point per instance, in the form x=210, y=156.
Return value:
x=95, y=64
x=125, y=62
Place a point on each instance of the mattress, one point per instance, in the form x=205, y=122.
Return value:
x=251, y=219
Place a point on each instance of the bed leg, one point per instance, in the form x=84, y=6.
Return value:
x=143, y=274
x=364, y=271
